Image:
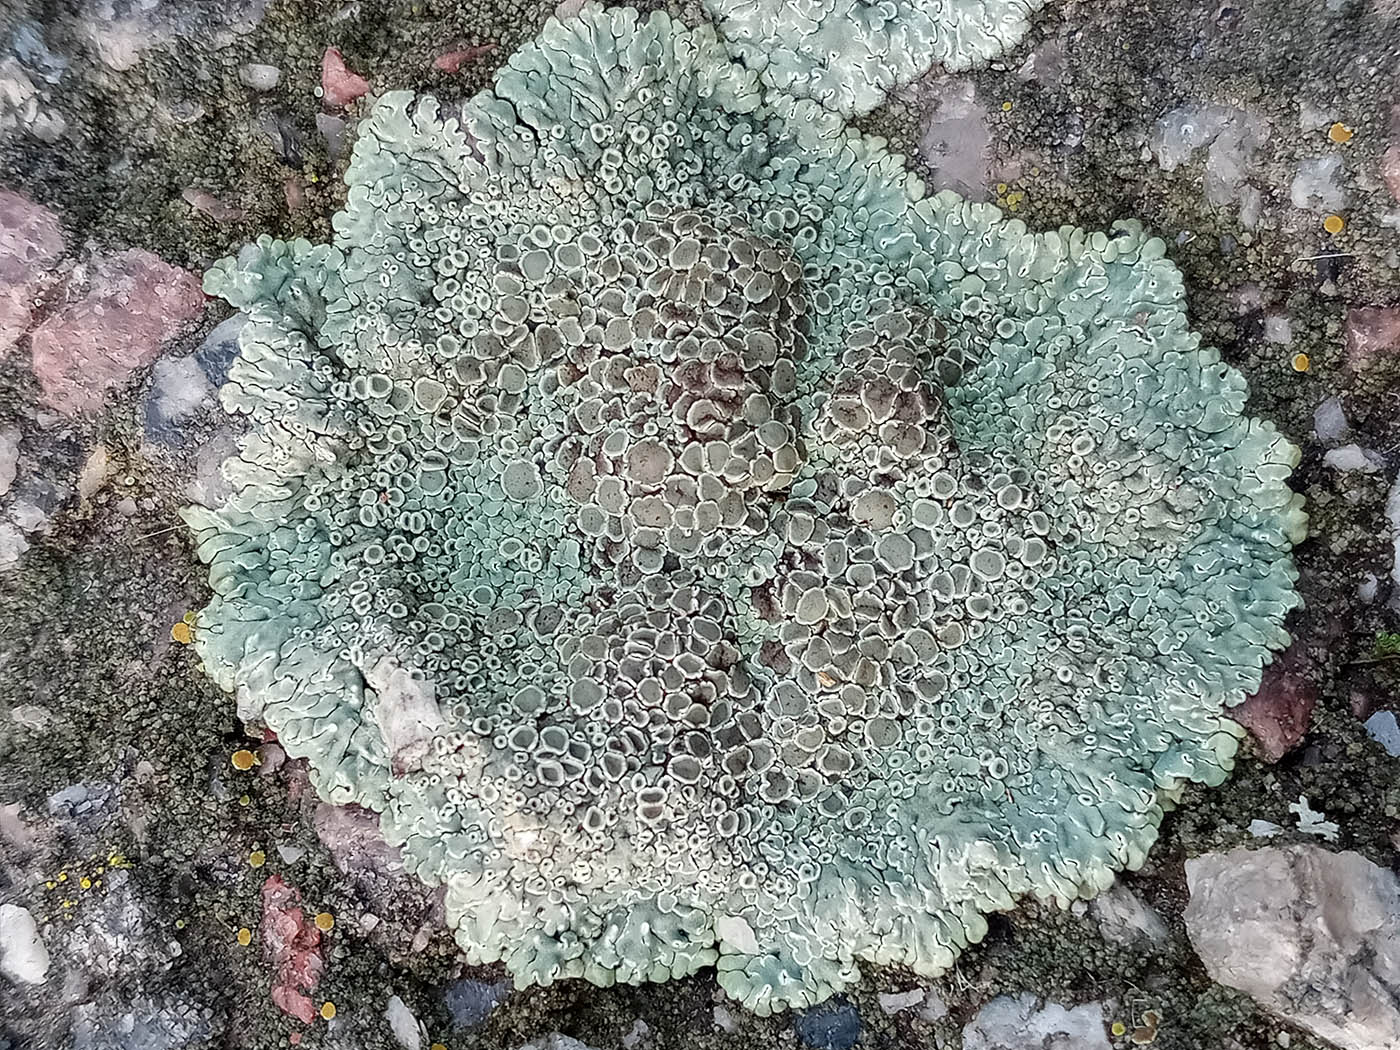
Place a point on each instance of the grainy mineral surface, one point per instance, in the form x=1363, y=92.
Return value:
x=172, y=875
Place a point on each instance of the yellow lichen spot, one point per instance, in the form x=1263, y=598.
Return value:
x=181, y=633
x=85, y=883
x=245, y=800
x=243, y=760
x=1339, y=132
x=1006, y=106
x=437, y=1046
x=328, y=1009
x=190, y=617
x=1119, y=1029
x=50, y=884
x=179, y=924
x=1001, y=189
x=324, y=921
x=1300, y=362
x=1334, y=224
x=63, y=876
x=118, y=860
x=1014, y=199
x=245, y=936
x=257, y=859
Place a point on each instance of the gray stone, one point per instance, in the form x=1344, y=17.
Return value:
x=1124, y=918
x=1018, y=1023
x=1312, y=935
x=470, y=1002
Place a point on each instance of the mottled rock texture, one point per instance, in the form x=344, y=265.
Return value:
x=1313, y=935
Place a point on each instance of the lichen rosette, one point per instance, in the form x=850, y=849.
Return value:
x=703, y=547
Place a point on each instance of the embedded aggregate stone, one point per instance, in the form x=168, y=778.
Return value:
x=702, y=547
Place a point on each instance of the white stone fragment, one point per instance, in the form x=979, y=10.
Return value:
x=934, y=1008
x=1385, y=730
x=1018, y=1023
x=259, y=76
x=405, y=711
x=1330, y=421
x=12, y=545
x=23, y=957
x=725, y=1021
x=9, y=458
x=1354, y=457
x=633, y=1039
x=1315, y=186
x=894, y=1002
x=404, y=1026
x=1278, y=329
x=1392, y=514
x=1264, y=829
x=1312, y=935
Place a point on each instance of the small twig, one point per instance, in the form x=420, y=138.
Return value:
x=1326, y=255
x=1369, y=660
x=158, y=532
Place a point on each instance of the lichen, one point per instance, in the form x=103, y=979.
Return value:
x=850, y=54
x=703, y=547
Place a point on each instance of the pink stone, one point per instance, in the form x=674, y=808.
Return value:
x=452, y=61
x=31, y=242
x=293, y=943
x=340, y=86
x=133, y=303
x=1390, y=170
x=1372, y=332
x=1278, y=714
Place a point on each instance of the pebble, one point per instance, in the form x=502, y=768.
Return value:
x=1024, y=1023
x=259, y=77
x=23, y=957
x=1385, y=730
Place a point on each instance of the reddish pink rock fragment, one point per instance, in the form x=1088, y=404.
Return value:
x=1372, y=332
x=339, y=86
x=1390, y=170
x=31, y=242
x=293, y=943
x=134, y=302
x=1279, y=713
x=452, y=61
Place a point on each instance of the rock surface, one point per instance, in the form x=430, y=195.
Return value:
x=134, y=301
x=1312, y=935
